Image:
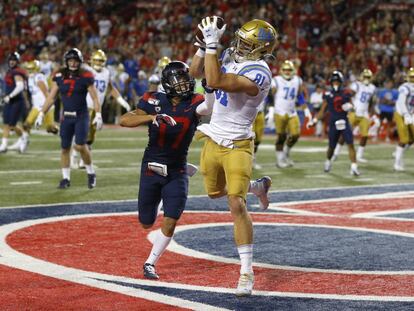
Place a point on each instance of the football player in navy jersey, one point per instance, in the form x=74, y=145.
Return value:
x=73, y=84
x=338, y=103
x=172, y=118
x=14, y=102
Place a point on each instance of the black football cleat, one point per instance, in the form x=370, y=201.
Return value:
x=64, y=183
x=91, y=181
x=149, y=272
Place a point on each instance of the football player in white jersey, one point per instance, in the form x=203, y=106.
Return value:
x=404, y=118
x=103, y=83
x=45, y=64
x=154, y=80
x=242, y=80
x=363, y=101
x=38, y=89
x=286, y=89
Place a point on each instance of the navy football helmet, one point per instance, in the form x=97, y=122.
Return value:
x=336, y=76
x=176, y=79
x=15, y=56
x=73, y=54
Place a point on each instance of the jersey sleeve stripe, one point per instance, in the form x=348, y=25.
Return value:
x=258, y=68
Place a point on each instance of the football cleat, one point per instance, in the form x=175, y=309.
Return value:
x=3, y=148
x=289, y=162
x=16, y=145
x=354, y=170
x=149, y=272
x=245, y=284
x=64, y=183
x=399, y=168
x=91, y=181
x=24, y=144
x=260, y=188
x=327, y=166
x=282, y=164
x=362, y=160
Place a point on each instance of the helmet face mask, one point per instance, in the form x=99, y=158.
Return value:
x=176, y=80
x=13, y=59
x=366, y=76
x=253, y=41
x=33, y=66
x=98, y=60
x=336, y=80
x=287, y=70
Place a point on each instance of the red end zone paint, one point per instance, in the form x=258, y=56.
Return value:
x=44, y=293
x=118, y=246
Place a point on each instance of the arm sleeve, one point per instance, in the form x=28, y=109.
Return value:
x=206, y=107
x=17, y=90
x=403, y=92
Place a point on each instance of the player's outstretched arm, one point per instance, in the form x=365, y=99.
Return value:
x=136, y=118
x=115, y=94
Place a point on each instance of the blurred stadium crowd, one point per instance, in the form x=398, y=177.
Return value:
x=319, y=36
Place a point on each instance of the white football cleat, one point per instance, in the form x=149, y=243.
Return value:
x=3, y=148
x=245, y=284
x=260, y=188
x=399, y=168
x=289, y=162
x=362, y=160
x=16, y=145
x=23, y=145
x=327, y=166
x=354, y=170
x=282, y=164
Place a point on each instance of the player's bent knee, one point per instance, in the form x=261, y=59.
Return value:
x=237, y=205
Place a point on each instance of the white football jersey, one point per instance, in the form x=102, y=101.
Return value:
x=286, y=94
x=362, y=97
x=102, y=79
x=36, y=94
x=405, y=101
x=46, y=67
x=156, y=79
x=233, y=113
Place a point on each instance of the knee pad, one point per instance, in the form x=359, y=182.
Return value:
x=281, y=138
x=292, y=140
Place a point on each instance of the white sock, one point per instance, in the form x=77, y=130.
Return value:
x=280, y=156
x=89, y=169
x=337, y=150
x=4, y=141
x=399, y=151
x=286, y=150
x=360, y=152
x=160, y=245
x=66, y=173
x=246, y=258
x=354, y=166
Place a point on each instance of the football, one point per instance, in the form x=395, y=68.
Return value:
x=199, y=34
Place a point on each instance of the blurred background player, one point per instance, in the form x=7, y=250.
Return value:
x=387, y=97
x=38, y=90
x=363, y=100
x=242, y=81
x=103, y=83
x=172, y=117
x=316, y=100
x=286, y=88
x=154, y=80
x=73, y=84
x=14, y=101
x=338, y=103
x=259, y=127
x=404, y=119
x=46, y=66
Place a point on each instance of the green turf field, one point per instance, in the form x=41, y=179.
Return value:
x=31, y=178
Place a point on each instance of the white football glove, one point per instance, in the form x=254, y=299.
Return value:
x=123, y=103
x=408, y=119
x=347, y=106
x=39, y=119
x=98, y=121
x=211, y=32
x=311, y=123
x=163, y=118
x=6, y=99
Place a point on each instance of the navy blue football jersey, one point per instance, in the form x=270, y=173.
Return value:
x=73, y=90
x=11, y=83
x=335, y=100
x=169, y=144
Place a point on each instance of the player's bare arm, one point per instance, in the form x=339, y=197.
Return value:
x=136, y=118
x=43, y=88
x=197, y=66
x=50, y=98
x=94, y=96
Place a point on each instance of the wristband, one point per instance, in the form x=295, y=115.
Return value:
x=201, y=52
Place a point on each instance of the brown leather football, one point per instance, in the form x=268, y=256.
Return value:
x=199, y=33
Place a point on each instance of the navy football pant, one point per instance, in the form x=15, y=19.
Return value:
x=13, y=111
x=172, y=189
x=334, y=134
x=74, y=126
